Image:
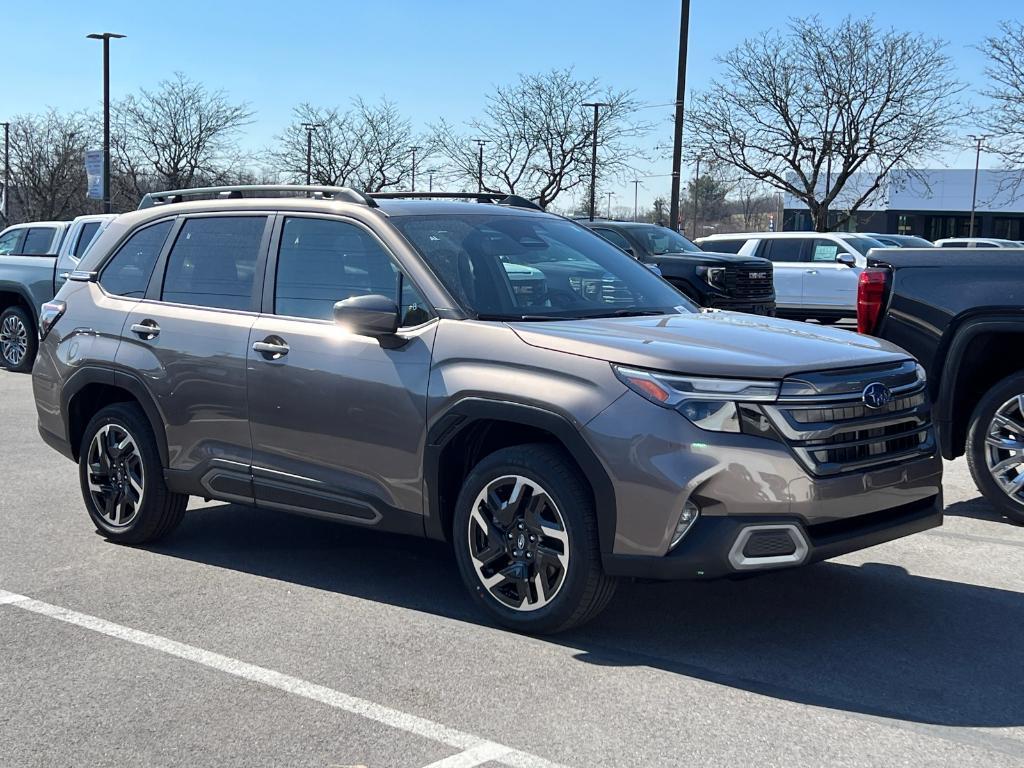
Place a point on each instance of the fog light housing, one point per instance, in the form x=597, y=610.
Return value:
x=687, y=518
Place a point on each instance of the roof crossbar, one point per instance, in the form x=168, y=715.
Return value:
x=345, y=194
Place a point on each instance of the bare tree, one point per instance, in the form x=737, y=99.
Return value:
x=1004, y=120
x=48, y=178
x=850, y=99
x=539, y=136
x=367, y=146
x=177, y=136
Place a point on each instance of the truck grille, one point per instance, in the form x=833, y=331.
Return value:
x=750, y=282
x=826, y=423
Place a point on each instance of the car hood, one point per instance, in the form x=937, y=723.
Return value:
x=711, y=344
x=710, y=257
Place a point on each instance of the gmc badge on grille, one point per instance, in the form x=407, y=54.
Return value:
x=758, y=275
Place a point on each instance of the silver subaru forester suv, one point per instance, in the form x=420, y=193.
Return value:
x=477, y=372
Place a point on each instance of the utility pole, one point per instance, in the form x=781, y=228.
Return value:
x=636, y=197
x=609, y=205
x=480, y=164
x=677, y=144
x=696, y=197
x=106, y=37
x=7, y=171
x=979, y=140
x=430, y=179
x=414, y=166
x=310, y=127
x=593, y=154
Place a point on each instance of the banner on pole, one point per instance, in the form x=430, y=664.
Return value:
x=94, y=171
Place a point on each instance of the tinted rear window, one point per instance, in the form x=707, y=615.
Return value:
x=213, y=262
x=783, y=249
x=38, y=241
x=85, y=238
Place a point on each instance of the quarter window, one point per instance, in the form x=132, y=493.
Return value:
x=321, y=262
x=85, y=238
x=38, y=241
x=213, y=262
x=128, y=273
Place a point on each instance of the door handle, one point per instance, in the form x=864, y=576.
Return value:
x=810, y=272
x=146, y=330
x=272, y=347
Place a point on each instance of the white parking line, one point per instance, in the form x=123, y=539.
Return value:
x=474, y=749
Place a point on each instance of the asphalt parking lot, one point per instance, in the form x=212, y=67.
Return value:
x=255, y=638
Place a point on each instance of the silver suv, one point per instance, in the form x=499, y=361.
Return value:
x=375, y=361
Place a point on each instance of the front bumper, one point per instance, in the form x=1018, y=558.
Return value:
x=658, y=460
x=755, y=306
x=705, y=552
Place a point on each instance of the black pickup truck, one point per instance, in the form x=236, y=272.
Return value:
x=960, y=312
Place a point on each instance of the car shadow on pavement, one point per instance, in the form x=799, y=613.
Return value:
x=871, y=639
x=977, y=508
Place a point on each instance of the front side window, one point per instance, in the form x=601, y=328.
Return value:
x=824, y=250
x=213, y=262
x=128, y=273
x=9, y=242
x=38, y=241
x=614, y=238
x=661, y=240
x=85, y=238
x=502, y=266
x=322, y=262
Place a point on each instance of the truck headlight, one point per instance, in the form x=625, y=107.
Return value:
x=709, y=403
x=713, y=276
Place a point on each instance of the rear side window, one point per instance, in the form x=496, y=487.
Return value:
x=784, y=249
x=213, y=262
x=128, y=273
x=723, y=246
x=38, y=241
x=85, y=237
x=321, y=262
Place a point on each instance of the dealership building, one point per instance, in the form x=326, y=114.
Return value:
x=930, y=203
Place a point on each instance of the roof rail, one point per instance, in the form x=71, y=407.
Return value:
x=256, y=190
x=497, y=198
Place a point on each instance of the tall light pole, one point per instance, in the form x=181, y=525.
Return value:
x=106, y=37
x=480, y=164
x=696, y=196
x=636, y=197
x=677, y=144
x=610, y=205
x=430, y=179
x=7, y=171
x=310, y=127
x=593, y=153
x=979, y=140
x=414, y=166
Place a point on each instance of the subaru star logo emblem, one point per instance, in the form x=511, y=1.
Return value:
x=521, y=541
x=876, y=395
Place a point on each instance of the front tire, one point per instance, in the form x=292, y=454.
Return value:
x=995, y=446
x=18, y=340
x=122, y=478
x=525, y=537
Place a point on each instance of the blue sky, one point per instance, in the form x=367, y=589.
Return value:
x=433, y=57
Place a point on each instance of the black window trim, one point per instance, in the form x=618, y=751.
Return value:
x=270, y=275
x=102, y=266
x=156, y=282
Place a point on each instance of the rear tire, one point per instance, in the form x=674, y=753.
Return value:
x=18, y=340
x=999, y=416
x=122, y=478
x=525, y=537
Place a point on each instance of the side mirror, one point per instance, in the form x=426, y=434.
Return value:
x=846, y=259
x=372, y=315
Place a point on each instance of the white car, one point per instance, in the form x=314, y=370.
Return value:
x=977, y=242
x=81, y=233
x=816, y=273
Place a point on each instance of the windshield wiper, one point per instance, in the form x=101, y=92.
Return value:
x=628, y=313
x=520, y=318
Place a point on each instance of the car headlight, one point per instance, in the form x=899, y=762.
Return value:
x=713, y=276
x=709, y=403
x=588, y=287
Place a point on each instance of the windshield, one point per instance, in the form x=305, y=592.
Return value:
x=503, y=267
x=663, y=240
x=864, y=244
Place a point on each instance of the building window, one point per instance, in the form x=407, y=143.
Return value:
x=905, y=225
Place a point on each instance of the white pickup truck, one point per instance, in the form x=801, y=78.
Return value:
x=35, y=260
